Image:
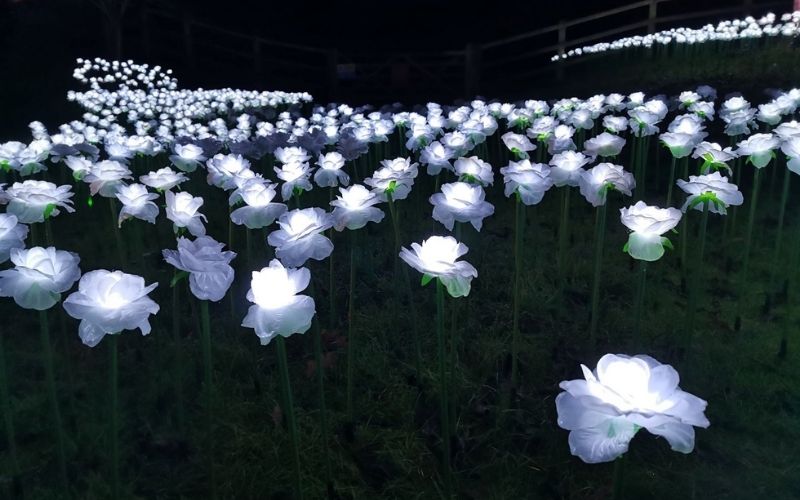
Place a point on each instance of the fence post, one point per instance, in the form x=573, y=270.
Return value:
x=652, y=15
x=472, y=70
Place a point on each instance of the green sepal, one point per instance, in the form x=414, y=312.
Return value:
x=5, y=165
x=48, y=210
x=90, y=202
x=666, y=243
x=626, y=248
x=179, y=275
x=392, y=187
x=426, y=278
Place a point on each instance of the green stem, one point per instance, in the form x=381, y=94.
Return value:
x=671, y=182
x=619, y=478
x=113, y=379
x=787, y=181
x=563, y=233
x=8, y=416
x=331, y=286
x=208, y=369
x=519, y=214
x=640, y=299
x=599, y=238
x=750, y=224
x=288, y=411
x=351, y=328
x=323, y=410
x=444, y=415
x=47, y=354
x=176, y=339
x=117, y=233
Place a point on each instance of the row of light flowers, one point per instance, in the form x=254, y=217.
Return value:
x=603, y=412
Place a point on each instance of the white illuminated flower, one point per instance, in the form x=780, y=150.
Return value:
x=604, y=145
x=330, y=173
x=300, y=236
x=39, y=277
x=596, y=182
x=277, y=308
x=182, y=210
x=354, y=208
x=437, y=157
x=648, y=224
x=259, y=210
x=210, y=272
x=566, y=168
x=461, y=202
x=137, y=202
x=530, y=181
x=12, y=235
x=106, y=177
x=163, y=179
x=517, y=144
x=606, y=409
x=791, y=148
x=437, y=257
x=187, y=157
x=223, y=170
x=474, y=170
x=33, y=201
x=713, y=189
x=295, y=176
x=759, y=149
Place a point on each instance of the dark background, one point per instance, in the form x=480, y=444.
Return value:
x=410, y=51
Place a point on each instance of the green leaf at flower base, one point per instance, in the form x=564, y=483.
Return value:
x=392, y=187
x=426, y=278
x=90, y=202
x=297, y=191
x=177, y=278
x=666, y=243
x=470, y=179
x=5, y=165
x=626, y=248
x=48, y=210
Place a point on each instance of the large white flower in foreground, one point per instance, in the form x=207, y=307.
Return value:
x=355, y=207
x=39, y=277
x=108, y=302
x=606, y=409
x=474, y=170
x=210, y=272
x=713, y=189
x=137, y=202
x=259, y=210
x=461, y=202
x=182, y=210
x=12, y=235
x=437, y=257
x=277, y=309
x=648, y=224
x=300, y=238
x=330, y=173
x=530, y=181
x=595, y=182
x=106, y=177
x=33, y=201
x=566, y=168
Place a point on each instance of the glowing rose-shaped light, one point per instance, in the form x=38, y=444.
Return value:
x=606, y=409
x=137, y=202
x=528, y=180
x=277, y=308
x=106, y=177
x=299, y=237
x=163, y=179
x=330, y=173
x=437, y=257
x=39, y=277
x=33, y=201
x=566, y=168
x=355, y=207
x=259, y=210
x=187, y=157
x=12, y=235
x=598, y=180
x=108, y=302
x=474, y=170
x=713, y=189
x=648, y=224
x=182, y=210
x=604, y=145
x=210, y=273
x=461, y=202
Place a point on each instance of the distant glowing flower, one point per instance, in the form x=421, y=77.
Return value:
x=277, y=309
x=187, y=157
x=108, y=302
x=606, y=409
x=436, y=156
x=714, y=156
x=295, y=177
x=517, y=144
x=528, y=180
x=598, y=180
x=461, y=202
x=437, y=257
x=163, y=179
x=330, y=173
x=39, y=277
x=224, y=169
x=605, y=145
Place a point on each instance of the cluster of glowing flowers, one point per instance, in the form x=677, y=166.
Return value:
x=713, y=190
x=566, y=168
x=259, y=210
x=25, y=159
x=598, y=180
x=210, y=272
x=183, y=211
x=526, y=180
x=648, y=225
x=277, y=308
x=300, y=236
x=604, y=410
x=137, y=202
x=437, y=257
x=39, y=277
x=34, y=201
x=330, y=173
x=461, y=202
x=108, y=302
x=354, y=207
